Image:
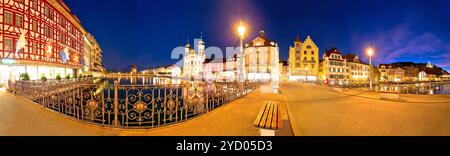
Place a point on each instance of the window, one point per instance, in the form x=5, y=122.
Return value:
x=19, y=21
x=46, y=11
x=34, y=5
x=35, y=48
x=35, y=26
x=50, y=33
x=8, y=44
x=308, y=47
x=312, y=52
x=8, y=18
x=305, y=52
x=60, y=20
x=46, y=31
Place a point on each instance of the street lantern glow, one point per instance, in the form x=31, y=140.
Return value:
x=370, y=51
x=241, y=29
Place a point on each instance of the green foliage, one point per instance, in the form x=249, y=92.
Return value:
x=24, y=77
x=58, y=77
x=68, y=77
x=44, y=79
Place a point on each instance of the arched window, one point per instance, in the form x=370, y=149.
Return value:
x=308, y=47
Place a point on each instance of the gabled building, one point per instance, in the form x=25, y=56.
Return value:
x=333, y=67
x=391, y=73
x=304, y=60
x=262, y=59
x=358, y=71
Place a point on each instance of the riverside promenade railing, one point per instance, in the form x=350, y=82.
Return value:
x=132, y=106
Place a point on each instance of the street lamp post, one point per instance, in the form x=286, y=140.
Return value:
x=241, y=31
x=370, y=52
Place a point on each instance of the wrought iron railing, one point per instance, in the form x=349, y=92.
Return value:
x=132, y=106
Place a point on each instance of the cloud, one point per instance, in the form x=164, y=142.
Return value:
x=402, y=43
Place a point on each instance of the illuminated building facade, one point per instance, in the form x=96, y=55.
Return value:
x=358, y=71
x=262, y=59
x=333, y=68
x=193, y=61
x=391, y=73
x=94, y=54
x=304, y=60
x=33, y=33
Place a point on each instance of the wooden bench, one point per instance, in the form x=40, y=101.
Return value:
x=269, y=119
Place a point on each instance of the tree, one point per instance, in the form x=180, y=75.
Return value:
x=58, y=77
x=24, y=77
x=68, y=77
x=44, y=79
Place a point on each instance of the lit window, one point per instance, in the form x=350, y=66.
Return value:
x=35, y=48
x=19, y=21
x=46, y=11
x=50, y=33
x=34, y=5
x=8, y=44
x=35, y=26
x=46, y=31
x=8, y=18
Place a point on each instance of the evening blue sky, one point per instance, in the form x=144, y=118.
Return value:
x=144, y=32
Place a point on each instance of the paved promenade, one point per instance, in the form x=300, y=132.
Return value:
x=20, y=117
x=318, y=111
x=313, y=111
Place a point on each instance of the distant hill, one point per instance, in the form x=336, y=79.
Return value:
x=422, y=67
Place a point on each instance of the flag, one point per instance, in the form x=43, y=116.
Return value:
x=76, y=58
x=66, y=50
x=22, y=42
x=49, y=49
x=65, y=56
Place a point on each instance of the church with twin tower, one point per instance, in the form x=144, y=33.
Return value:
x=193, y=61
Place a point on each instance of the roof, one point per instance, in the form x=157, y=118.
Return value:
x=218, y=60
x=267, y=41
x=333, y=50
x=353, y=58
x=297, y=39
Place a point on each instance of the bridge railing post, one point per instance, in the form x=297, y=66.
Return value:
x=116, y=103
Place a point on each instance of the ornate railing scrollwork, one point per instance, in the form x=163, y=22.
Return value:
x=132, y=106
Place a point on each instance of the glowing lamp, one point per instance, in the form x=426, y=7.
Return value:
x=370, y=51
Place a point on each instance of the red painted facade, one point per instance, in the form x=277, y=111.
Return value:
x=46, y=25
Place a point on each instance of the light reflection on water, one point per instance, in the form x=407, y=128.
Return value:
x=423, y=88
x=144, y=81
